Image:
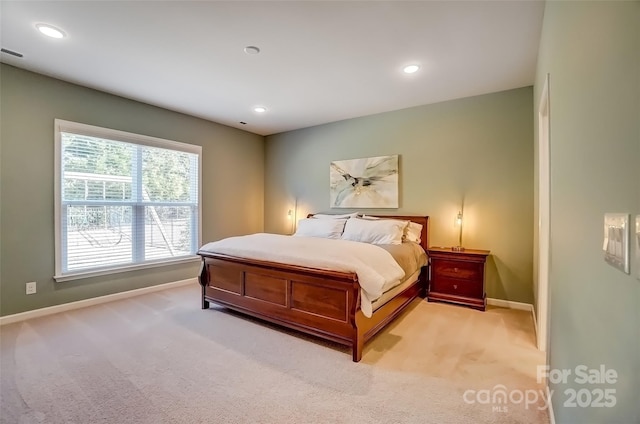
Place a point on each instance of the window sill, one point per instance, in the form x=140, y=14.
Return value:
x=100, y=272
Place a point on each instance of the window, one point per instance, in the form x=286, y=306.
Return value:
x=123, y=201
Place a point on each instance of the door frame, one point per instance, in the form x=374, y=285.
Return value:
x=544, y=227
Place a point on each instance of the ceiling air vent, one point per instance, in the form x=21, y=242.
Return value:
x=11, y=52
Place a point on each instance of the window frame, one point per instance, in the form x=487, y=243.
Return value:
x=61, y=126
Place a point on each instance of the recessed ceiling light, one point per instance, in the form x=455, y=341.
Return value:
x=50, y=31
x=251, y=50
x=410, y=69
x=260, y=109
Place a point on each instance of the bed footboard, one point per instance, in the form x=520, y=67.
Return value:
x=318, y=302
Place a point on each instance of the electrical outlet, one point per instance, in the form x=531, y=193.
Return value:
x=31, y=287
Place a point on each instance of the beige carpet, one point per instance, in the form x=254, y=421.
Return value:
x=159, y=358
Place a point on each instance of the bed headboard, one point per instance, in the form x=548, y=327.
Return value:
x=422, y=220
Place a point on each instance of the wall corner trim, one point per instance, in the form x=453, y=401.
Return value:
x=37, y=313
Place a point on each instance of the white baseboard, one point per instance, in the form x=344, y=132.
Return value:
x=36, y=313
x=552, y=416
x=509, y=304
x=535, y=323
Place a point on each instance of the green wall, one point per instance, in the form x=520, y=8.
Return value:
x=592, y=52
x=232, y=183
x=478, y=150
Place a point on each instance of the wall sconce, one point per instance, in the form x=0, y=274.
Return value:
x=458, y=223
x=291, y=221
x=292, y=215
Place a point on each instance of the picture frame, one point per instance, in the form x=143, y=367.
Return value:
x=616, y=240
x=364, y=183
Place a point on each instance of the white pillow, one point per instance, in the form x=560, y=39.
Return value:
x=379, y=231
x=327, y=228
x=413, y=232
x=329, y=216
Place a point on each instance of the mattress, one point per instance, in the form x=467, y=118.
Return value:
x=411, y=257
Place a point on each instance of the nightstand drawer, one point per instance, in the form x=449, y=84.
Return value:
x=457, y=287
x=458, y=269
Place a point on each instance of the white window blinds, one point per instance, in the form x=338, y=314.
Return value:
x=123, y=200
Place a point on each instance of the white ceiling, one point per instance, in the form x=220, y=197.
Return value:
x=320, y=61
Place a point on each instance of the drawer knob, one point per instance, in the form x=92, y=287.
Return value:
x=455, y=287
x=455, y=269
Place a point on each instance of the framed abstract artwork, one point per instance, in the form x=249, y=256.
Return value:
x=364, y=183
x=616, y=240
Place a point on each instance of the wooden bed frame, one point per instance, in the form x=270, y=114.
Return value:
x=318, y=302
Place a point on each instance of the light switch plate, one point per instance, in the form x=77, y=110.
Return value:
x=616, y=240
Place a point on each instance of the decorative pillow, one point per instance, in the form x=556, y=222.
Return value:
x=378, y=231
x=327, y=228
x=413, y=232
x=329, y=216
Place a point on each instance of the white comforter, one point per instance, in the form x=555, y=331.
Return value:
x=376, y=269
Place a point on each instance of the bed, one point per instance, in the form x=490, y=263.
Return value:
x=322, y=302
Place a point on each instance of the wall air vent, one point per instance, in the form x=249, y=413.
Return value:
x=11, y=52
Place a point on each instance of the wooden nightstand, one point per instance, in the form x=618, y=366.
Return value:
x=458, y=277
